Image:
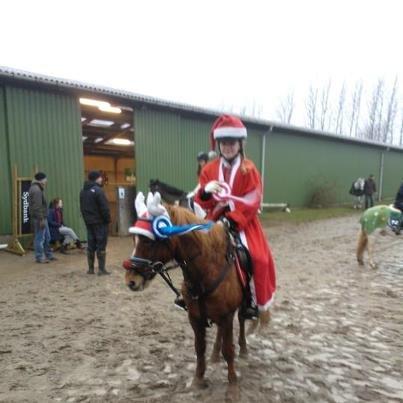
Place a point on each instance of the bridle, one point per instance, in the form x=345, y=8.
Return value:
x=148, y=269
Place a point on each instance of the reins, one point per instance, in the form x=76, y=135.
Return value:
x=148, y=269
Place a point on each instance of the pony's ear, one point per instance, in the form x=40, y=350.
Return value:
x=154, y=205
x=141, y=208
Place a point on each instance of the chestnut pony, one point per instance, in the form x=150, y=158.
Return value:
x=211, y=288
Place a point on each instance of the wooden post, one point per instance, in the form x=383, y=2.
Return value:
x=14, y=246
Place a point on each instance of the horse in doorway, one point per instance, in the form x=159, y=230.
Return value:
x=211, y=289
x=357, y=190
x=387, y=219
x=174, y=196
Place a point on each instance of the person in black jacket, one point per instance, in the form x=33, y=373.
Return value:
x=96, y=214
x=369, y=190
x=399, y=198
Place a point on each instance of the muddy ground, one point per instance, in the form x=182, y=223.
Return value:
x=336, y=333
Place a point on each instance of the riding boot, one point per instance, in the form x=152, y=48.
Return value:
x=63, y=249
x=180, y=303
x=101, y=256
x=91, y=261
x=249, y=309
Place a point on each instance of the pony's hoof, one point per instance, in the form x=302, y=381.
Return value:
x=373, y=265
x=199, y=383
x=360, y=262
x=243, y=353
x=215, y=358
x=233, y=393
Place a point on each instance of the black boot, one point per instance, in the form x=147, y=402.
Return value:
x=79, y=245
x=90, y=260
x=101, y=256
x=180, y=303
x=63, y=249
x=248, y=309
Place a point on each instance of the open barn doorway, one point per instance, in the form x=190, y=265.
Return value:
x=109, y=146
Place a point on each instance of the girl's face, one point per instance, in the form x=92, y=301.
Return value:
x=60, y=204
x=230, y=148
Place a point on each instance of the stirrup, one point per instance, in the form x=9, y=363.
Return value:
x=180, y=303
x=250, y=312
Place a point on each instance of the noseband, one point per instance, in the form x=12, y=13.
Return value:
x=145, y=268
x=148, y=269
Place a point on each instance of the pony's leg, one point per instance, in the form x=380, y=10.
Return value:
x=215, y=355
x=228, y=349
x=370, y=247
x=243, y=350
x=200, y=347
x=362, y=244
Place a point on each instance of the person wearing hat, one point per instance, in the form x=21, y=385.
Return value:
x=231, y=187
x=38, y=211
x=369, y=190
x=96, y=214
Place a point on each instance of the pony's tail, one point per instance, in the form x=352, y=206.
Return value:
x=262, y=322
x=361, y=246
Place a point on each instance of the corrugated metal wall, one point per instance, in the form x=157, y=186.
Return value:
x=392, y=172
x=5, y=175
x=44, y=131
x=167, y=144
x=296, y=165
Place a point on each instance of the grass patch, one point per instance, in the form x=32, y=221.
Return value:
x=301, y=215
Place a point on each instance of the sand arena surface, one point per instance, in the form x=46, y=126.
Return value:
x=336, y=333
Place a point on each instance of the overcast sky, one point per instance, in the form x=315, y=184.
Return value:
x=208, y=53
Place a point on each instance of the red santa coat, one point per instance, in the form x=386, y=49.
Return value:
x=246, y=184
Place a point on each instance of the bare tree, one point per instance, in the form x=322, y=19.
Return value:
x=311, y=106
x=388, y=125
x=340, y=109
x=286, y=109
x=371, y=130
x=355, y=108
x=324, y=105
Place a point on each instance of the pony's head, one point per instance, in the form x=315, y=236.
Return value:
x=155, y=238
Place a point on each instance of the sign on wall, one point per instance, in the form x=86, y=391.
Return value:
x=23, y=197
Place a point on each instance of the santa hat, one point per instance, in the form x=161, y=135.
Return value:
x=227, y=126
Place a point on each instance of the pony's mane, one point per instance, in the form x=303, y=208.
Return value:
x=214, y=239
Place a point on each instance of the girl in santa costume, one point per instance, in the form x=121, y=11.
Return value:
x=231, y=187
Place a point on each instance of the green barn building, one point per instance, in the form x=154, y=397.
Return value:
x=66, y=128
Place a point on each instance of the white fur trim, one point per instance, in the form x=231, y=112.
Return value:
x=141, y=231
x=236, y=132
x=268, y=304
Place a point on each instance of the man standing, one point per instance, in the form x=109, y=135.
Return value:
x=95, y=211
x=38, y=211
x=369, y=190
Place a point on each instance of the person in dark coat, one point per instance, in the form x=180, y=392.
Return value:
x=38, y=211
x=399, y=198
x=369, y=190
x=96, y=214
